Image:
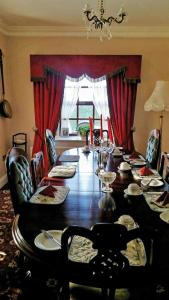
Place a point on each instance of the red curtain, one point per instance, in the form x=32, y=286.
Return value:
x=48, y=97
x=122, y=98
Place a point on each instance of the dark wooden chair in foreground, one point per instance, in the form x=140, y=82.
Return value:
x=103, y=263
x=51, y=147
x=153, y=147
x=96, y=137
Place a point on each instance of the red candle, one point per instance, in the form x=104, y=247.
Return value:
x=110, y=135
x=91, y=130
x=101, y=128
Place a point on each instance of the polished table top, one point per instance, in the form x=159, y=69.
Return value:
x=81, y=206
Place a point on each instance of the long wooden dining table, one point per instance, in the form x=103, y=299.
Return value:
x=81, y=208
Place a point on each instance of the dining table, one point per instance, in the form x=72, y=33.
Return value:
x=81, y=207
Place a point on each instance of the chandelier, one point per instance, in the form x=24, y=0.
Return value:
x=96, y=20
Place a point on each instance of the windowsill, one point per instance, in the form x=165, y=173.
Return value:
x=69, y=138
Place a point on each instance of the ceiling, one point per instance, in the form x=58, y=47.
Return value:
x=64, y=17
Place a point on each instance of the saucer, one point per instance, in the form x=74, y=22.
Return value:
x=44, y=243
x=117, y=154
x=138, y=194
x=138, y=163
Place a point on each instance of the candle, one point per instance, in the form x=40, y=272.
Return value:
x=110, y=135
x=101, y=128
x=91, y=130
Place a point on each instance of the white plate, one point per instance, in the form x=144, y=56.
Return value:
x=44, y=243
x=165, y=216
x=126, y=170
x=139, y=193
x=156, y=183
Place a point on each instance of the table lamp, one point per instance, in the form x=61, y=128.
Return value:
x=159, y=102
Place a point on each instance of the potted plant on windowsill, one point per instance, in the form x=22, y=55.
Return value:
x=82, y=129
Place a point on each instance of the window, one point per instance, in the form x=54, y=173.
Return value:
x=83, y=99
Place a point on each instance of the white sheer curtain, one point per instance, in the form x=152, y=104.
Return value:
x=70, y=98
x=100, y=100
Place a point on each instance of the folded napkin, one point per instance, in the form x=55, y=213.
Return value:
x=145, y=171
x=163, y=200
x=48, y=191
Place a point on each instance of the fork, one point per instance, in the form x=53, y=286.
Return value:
x=49, y=236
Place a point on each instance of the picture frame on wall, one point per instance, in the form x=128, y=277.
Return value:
x=65, y=131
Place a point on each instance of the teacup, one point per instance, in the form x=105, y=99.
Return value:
x=127, y=221
x=124, y=166
x=133, y=189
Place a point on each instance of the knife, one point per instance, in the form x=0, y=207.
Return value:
x=49, y=236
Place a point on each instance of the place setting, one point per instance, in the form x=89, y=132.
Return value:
x=50, y=195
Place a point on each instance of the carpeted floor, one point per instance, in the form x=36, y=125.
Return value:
x=15, y=286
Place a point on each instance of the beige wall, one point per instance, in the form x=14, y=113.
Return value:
x=155, y=66
x=5, y=124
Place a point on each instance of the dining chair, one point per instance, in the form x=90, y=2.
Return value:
x=96, y=137
x=19, y=178
x=20, y=140
x=153, y=147
x=95, y=258
x=164, y=167
x=37, y=172
x=51, y=147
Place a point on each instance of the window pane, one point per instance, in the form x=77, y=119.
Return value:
x=96, y=124
x=85, y=111
x=96, y=114
x=73, y=124
x=74, y=113
x=85, y=94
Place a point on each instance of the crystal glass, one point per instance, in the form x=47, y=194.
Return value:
x=107, y=178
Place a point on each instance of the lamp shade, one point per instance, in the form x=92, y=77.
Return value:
x=159, y=99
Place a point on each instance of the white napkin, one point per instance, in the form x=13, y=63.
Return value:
x=62, y=171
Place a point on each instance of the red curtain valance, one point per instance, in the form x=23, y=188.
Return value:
x=94, y=66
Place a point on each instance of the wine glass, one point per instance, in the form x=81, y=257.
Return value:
x=107, y=202
x=107, y=178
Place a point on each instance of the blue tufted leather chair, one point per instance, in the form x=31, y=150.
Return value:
x=19, y=179
x=51, y=147
x=153, y=147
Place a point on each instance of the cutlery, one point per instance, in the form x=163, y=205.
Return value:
x=49, y=236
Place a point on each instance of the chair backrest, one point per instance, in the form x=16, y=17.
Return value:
x=19, y=179
x=51, y=147
x=153, y=147
x=96, y=137
x=20, y=140
x=106, y=265
x=164, y=167
x=37, y=168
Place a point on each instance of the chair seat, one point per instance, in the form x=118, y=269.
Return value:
x=81, y=250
